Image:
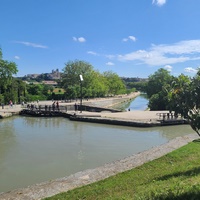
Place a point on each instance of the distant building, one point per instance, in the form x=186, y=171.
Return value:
x=54, y=75
x=33, y=76
x=53, y=83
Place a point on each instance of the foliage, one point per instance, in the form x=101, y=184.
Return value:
x=179, y=94
x=94, y=84
x=115, y=83
x=140, y=86
x=7, y=70
x=172, y=177
x=157, y=89
x=158, y=101
x=185, y=99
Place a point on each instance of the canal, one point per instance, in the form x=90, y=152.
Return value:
x=138, y=103
x=33, y=150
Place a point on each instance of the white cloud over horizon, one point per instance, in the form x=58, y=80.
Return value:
x=31, y=44
x=79, y=39
x=165, y=54
x=110, y=63
x=131, y=38
x=159, y=2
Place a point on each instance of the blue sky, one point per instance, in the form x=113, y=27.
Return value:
x=133, y=38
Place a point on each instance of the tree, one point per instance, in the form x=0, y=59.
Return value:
x=71, y=77
x=185, y=99
x=115, y=83
x=156, y=81
x=94, y=84
x=157, y=89
x=7, y=70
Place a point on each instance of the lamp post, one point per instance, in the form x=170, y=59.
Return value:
x=81, y=80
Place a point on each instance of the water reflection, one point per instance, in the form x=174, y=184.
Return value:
x=138, y=103
x=33, y=150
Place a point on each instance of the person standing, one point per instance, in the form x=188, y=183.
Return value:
x=11, y=103
x=57, y=105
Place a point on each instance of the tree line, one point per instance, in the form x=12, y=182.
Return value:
x=166, y=92
x=95, y=84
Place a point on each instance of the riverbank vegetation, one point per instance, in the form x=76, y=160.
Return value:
x=174, y=176
x=179, y=94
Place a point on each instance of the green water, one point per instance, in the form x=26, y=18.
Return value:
x=33, y=150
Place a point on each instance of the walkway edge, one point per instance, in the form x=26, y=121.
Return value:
x=50, y=188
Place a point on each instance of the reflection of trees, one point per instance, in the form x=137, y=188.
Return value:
x=7, y=138
x=42, y=121
x=171, y=132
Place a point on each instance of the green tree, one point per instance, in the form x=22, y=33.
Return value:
x=94, y=84
x=34, y=89
x=71, y=77
x=115, y=83
x=156, y=81
x=98, y=86
x=185, y=99
x=7, y=70
x=157, y=89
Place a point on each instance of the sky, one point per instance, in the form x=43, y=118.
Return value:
x=133, y=38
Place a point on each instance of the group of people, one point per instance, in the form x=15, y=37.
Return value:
x=53, y=107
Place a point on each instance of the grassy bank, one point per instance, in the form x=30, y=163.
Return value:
x=174, y=176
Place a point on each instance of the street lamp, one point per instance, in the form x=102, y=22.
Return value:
x=81, y=80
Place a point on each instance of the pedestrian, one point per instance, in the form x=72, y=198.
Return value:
x=45, y=107
x=53, y=106
x=11, y=103
x=75, y=107
x=57, y=105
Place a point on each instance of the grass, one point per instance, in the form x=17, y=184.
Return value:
x=175, y=176
x=57, y=91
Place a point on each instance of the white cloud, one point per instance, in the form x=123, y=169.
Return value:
x=132, y=38
x=168, y=68
x=80, y=39
x=92, y=53
x=159, y=2
x=159, y=55
x=17, y=57
x=110, y=63
x=31, y=44
x=190, y=70
x=110, y=56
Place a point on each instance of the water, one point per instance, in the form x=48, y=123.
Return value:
x=33, y=150
x=138, y=103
